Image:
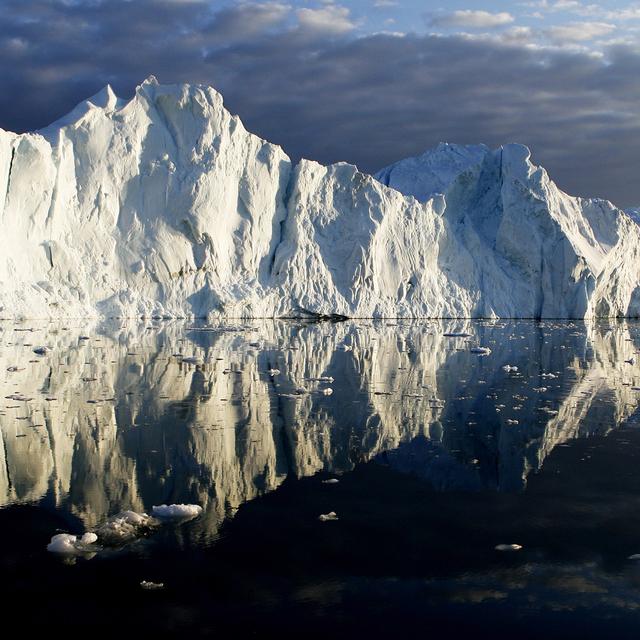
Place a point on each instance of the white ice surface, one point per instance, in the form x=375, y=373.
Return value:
x=164, y=205
x=177, y=511
x=68, y=544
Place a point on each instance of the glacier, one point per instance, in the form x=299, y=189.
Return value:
x=165, y=206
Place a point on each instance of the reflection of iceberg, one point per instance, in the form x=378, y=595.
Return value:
x=124, y=420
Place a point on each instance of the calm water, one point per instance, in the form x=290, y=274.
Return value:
x=441, y=454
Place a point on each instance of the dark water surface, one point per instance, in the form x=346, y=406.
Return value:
x=441, y=454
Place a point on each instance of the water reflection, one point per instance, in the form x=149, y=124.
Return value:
x=123, y=417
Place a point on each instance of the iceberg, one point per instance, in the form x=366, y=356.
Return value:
x=165, y=206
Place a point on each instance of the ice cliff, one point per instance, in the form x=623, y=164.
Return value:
x=164, y=205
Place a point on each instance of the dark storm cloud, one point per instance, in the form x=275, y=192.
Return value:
x=306, y=82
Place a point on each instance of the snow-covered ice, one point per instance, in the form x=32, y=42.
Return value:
x=165, y=206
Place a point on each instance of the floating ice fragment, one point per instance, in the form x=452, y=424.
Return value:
x=481, y=351
x=331, y=481
x=152, y=586
x=68, y=544
x=273, y=372
x=327, y=392
x=177, y=511
x=124, y=526
x=635, y=556
x=509, y=368
x=344, y=347
x=62, y=543
x=508, y=547
x=328, y=517
x=512, y=422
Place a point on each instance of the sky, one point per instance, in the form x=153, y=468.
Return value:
x=362, y=81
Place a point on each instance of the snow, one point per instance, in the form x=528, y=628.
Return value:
x=165, y=206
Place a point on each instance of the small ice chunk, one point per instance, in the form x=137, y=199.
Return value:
x=508, y=547
x=152, y=586
x=635, y=556
x=63, y=543
x=481, y=351
x=89, y=538
x=509, y=421
x=273, y=372
x=509, y=368
x=331, y=481
x=328, y=379
x=327, y=392
x=344, y=347
x=327, y=517
x=177, y=511
x=124, y=526
x=68, y=544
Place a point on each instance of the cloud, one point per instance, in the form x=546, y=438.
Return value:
x=469, y=19
x=247, y=20
x=579, y=31
x=555, y=6
x=332, y=94
x=328, y=19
